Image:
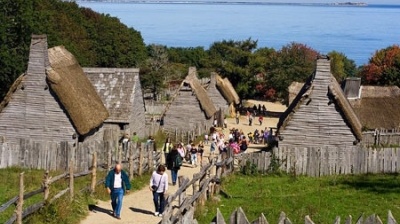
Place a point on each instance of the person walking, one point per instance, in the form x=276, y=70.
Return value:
x=237, y=117
x=159, y=186
x=201, y=151
x=166, y=148
x=174, y=163
x=193, y=155
x=117, y=184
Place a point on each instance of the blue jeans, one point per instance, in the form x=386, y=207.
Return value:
x=159, y=201
x=116, y=200
x=194, y=158
x=174, y=175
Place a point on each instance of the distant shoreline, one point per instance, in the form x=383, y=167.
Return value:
x=343, y=4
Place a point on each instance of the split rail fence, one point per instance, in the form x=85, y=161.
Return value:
x=239, y=217
x=326, y=160
x=205, y=184
x=139, y=160
x=381, y=137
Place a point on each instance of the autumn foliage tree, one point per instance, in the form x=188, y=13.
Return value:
x=383, y=67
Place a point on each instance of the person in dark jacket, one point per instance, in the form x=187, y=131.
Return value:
x=117, y=183
x=171, y=163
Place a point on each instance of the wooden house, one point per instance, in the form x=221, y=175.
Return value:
x=377, y=107
x=121, y=93
x=190, y=108
x=222, y=94
x=52, y=101
x=320, y=115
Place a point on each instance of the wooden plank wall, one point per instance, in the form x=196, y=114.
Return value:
x=328, y=160
x=185, y=113
x=381, y=137
x=57, y=156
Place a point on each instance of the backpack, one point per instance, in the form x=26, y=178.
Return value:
x=178, y=161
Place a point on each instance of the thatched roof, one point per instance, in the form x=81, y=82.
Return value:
x=227, y=90
x=293, y=90
x=116, y=88
x=74, y=90
x=378, y=107
x=12, y=89
x=334, y=90
x=201, y=94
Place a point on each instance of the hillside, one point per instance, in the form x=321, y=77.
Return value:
x=95, y=39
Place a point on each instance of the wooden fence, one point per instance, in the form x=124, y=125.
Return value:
x=57, y=156
x=381, y=137
x=186, y=136
x=205, y=184
x=326, y=160
x=239, y=217
x=44, y=189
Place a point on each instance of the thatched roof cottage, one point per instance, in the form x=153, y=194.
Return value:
x=320, y=115
x=121, y=93
x=377, y=107
x=52, y=101
x=191, y=106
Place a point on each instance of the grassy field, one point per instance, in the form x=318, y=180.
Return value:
x=62, y=211
x=322, y=198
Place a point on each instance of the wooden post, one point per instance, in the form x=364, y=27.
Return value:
x=150, y=159
x=94, y=172
x=141, y=152
x=119, y=153
x=46, y=186
x=182, y=195
x=71, y=180
x=20, y=198
x=195, y=185
x=131, y=149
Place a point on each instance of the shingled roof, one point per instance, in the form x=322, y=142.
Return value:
x=74, y=90
x=116, y=89
x=334, y=91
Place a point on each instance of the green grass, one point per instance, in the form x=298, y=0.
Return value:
x=322, y=198
x=61, y=211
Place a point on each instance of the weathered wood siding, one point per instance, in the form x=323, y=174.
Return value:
x=327, y=160
x=317, y=122
x=185, y=113
x=138, y=118
x=33, y=111
x=216, y=96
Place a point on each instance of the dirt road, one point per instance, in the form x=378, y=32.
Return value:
x=138, y=206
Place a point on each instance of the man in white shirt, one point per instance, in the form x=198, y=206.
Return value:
x=117, y=183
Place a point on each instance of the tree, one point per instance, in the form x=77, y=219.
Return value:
x=231, y=59
x=154, y=71
x=294, y=62
x=341, y=66
x=383, y=67
x=95, y=39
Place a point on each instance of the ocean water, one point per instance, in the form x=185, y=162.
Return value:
x=355, y=31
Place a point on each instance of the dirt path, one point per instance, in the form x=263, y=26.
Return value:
x=138, y=206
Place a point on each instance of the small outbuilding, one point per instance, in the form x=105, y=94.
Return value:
x=191, y=107
x=319, y=115
x=121, y=93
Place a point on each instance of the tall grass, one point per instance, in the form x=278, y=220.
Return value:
x=322, y=198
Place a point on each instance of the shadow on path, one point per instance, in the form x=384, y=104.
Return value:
x=95, y=208
x=138, y=210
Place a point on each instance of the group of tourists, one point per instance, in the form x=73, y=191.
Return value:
x=259, y=136
x=117, y=181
